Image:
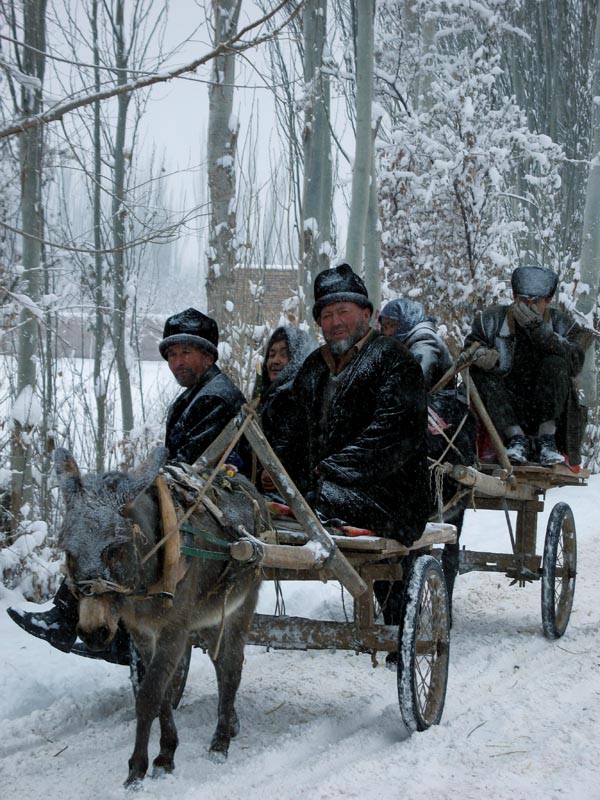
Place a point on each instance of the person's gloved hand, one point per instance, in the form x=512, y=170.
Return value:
x=530, y=319
x=485, y=358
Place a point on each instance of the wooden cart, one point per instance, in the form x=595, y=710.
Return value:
x=297, y=547
x=523, y=489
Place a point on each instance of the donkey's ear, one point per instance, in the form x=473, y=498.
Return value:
x=141, y=477
x=67, y=472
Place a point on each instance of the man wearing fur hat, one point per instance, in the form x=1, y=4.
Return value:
x=525, y=368
x=195, y=419
x=209, y=399
x=361, y=415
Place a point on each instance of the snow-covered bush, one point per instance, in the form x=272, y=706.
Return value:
x=466, y=191
x=29, y=562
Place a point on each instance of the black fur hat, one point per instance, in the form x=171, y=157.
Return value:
x=534, y=281
x=336, y=285
x=190, y=327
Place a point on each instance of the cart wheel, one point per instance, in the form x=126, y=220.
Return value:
x=137, y=672
x=424, y=646
x=559, y=571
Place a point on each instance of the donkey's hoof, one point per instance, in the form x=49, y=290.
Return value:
x=159, y=772
x=133, y=784
x=162, y=765
x=217, y=756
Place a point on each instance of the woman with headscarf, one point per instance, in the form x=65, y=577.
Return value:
x=285, y=352
x=407, y=321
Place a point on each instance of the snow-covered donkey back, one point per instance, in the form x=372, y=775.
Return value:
x=112, y=523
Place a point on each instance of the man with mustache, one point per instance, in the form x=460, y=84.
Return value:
x=361, y=415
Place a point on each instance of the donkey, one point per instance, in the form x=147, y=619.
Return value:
x=111, y=522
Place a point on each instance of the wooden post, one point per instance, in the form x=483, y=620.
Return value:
x=490, y=485
x=280, y=556
x=491, y=428
x=336, y=561
x=462, y=362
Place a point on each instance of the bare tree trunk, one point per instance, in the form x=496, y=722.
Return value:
x=30, y=155
x=118, y=221
x=363, y=158
x=317, y=189
x=590, y=251
x=99, y=378
x=222, y=151
x=373, y=244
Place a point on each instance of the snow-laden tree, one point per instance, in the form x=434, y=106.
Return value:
x=548, y=62
x=114, y=203
x=25, y=76
x=455, y=217
x=588, y=269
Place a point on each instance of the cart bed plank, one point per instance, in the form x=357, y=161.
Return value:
x=544, y=477
x=286, y=532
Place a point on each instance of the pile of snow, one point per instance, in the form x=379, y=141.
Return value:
x=521, y=720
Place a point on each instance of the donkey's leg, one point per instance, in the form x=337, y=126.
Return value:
x=165, y=760
x=228, y=666
x=154, y=692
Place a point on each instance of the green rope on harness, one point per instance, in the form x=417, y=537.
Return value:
x=207, y=554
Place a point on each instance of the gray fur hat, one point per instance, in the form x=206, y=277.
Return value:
x=534, y=281
x=190, y=327
x=336, y=285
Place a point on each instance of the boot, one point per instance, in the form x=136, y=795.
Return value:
x=548, y=452
x=52, y=625
x=518, y=449
x=119, y=651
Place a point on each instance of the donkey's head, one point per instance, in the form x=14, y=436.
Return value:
x=104, y=529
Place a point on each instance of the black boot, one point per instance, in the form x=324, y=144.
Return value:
x=518, y=449
x=119, y=651
x=58, y=625
x=548, y=452
x=50, y=625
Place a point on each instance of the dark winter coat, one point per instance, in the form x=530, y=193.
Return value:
x=276, y=400
x=494, y=327
x=200, y=413
x=369, y=464
x=418, y=332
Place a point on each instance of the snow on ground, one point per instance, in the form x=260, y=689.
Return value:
x=522, y=715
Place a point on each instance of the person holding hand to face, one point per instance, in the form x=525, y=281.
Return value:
x=526, y=367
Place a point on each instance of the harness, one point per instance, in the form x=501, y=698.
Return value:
x=184, y=485
x=208, y=554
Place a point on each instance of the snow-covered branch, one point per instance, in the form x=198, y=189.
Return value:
x=235, y=44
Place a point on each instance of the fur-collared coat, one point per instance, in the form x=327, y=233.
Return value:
x=368, y=462
x=199, y=414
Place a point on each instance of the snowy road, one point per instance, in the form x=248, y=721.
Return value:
x=522, y=715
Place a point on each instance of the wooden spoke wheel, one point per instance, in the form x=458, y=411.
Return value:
x=137, y=672
x=424, y=646
x=559, y=571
